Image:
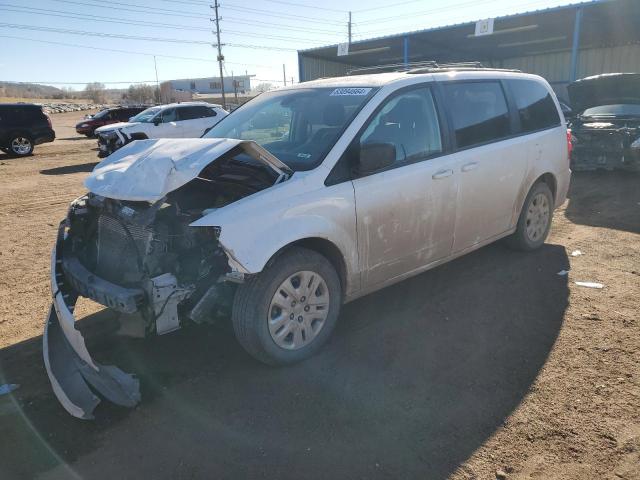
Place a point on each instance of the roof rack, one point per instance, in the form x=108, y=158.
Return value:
x=429, y=66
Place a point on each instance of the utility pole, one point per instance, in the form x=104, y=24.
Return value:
x=220, y=56
x=284, y=74
x=235, y=87
x=157, y=81
x=349, y=29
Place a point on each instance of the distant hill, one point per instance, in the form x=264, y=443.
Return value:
x=29, y=90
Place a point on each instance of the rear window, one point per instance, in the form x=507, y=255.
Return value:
x=199, y=111
x=479, y=112
x=535, y=105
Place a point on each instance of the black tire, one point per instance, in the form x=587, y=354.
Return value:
x=20, y=145
x=251, y=306
x=521, y=239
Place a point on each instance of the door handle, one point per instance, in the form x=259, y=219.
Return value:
x=442, y=174
x=469, y=166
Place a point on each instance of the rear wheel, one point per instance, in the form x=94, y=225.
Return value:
x=21, y=145
x=535, y=219
x=288, y=311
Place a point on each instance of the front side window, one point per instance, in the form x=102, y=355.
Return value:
x=409, y=122
x=298, y=126
x=147, y=115
x=535, y=105
x=169, y=115
x=479, y=112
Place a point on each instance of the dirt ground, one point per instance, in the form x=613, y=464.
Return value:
x=490, y=365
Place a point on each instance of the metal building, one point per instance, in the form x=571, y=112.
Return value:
x=212, y=84
x=561, y=44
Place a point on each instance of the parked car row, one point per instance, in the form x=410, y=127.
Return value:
x=176, y=120
x=105, y=117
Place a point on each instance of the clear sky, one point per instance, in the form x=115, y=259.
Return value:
x=260, y=35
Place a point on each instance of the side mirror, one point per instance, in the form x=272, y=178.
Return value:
x=156, y=121
x=374, y=157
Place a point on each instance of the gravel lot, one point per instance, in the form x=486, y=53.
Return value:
x=489, y=365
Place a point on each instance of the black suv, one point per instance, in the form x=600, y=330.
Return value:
x=22, y=126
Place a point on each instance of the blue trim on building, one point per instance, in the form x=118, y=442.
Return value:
x=575, y=47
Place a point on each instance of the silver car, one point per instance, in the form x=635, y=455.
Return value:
x=302, y=200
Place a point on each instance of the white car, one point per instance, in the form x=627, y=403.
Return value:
x=305, y=198
x=175, y=120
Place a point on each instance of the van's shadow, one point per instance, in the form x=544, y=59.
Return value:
x=67, y=169
x=416, y=378
x=605, y=199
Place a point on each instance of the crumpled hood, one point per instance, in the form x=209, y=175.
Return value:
x=113, y=126
x=147, y=170
x=606, y=89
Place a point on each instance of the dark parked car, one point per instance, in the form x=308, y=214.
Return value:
x=106, y=117
x=606, y=129
x=22, y=126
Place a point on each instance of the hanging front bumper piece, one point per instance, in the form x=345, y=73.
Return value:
x=74, y=375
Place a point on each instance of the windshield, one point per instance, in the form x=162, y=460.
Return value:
x=101, y=114
x=618, y=110
x=298, y=126
x=146, y=115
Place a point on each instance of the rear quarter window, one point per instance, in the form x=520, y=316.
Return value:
x=478, y=111
x=535, y=105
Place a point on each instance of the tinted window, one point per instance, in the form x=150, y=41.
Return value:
x=410, y=123
x=479, y=112
x=169, y=115
x=190, y=113
x=536, y=108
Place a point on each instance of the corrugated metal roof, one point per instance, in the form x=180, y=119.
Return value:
x=463, y=24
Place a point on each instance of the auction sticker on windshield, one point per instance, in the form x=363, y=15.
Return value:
x=350, y=91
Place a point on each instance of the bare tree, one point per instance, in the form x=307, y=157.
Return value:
x=262, y=87
x=95, y=91
x=141, y=93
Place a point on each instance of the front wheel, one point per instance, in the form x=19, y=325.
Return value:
x=535, y=219
x=288, y=311
x=21, y=146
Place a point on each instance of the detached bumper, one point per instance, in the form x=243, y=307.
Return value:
x=69, y=365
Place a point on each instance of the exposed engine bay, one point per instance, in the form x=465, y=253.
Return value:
x=605, y=144
x=606, y=131
x=138, y=245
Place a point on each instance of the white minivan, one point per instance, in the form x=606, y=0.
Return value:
x=175, y=120
x=303, y=199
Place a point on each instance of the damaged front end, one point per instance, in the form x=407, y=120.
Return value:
x=606, y=132
x=143, y=259
x=605, y=145
x=112, y=140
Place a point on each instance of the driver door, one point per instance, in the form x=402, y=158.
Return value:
x=169, y=126
x=405, y=213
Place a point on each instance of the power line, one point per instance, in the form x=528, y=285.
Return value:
x=135, y=37
x=141, y=9
x=100, y=18
x=283, y=2
x=103, y=34
x=425, y=12
x=279, y=25
x=97, y=18
x=153, y=24
x=387, y=6
x=282, y=15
